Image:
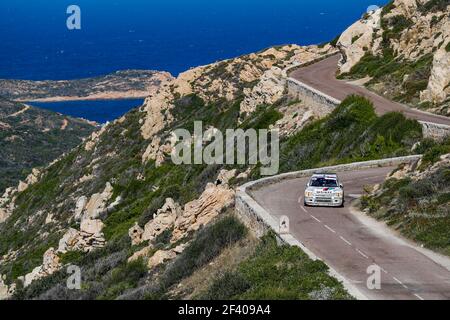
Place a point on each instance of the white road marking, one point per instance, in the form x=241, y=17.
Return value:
x=300, y=199
x=384, y=271
x=397, y=280
x=419, y=297
x=303, y=208
x=346, y=241
x=330, y=229
x=400, y=283
x=316, y=219
x=362, y=253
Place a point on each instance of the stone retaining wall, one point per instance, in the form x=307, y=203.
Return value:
x=435, y=131
x=313, y=97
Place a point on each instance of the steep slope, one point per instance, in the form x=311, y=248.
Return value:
x=402, y=51
x=118, y=85
x=140, y=226
x=32, y=137
x=415, y=199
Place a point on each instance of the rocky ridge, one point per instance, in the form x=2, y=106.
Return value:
x=126, y=84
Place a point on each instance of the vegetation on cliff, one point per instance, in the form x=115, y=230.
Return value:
x=416, y=199
x=32, y=137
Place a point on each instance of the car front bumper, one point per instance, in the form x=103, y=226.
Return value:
x=331, y=202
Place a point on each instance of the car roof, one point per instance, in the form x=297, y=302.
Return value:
x=325, y=175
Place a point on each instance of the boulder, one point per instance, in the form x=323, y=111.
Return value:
x=69, y=241
x=50, y=265
x=164, y=220
x=135, y=234
x=6, y=292
x=143, y=253
x=270, y=89
x=98, y=203
x=225, y=176
x=200, y=212
x=357, y=39
x=92, y=227
x=79, y=207
x=89, y=237
x=438, y=86
x=160, y=257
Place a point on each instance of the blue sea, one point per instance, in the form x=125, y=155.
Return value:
x=100, y=111
x=169, y=35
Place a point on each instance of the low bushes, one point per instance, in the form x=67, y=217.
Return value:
x=353, y=132
x=276, y=272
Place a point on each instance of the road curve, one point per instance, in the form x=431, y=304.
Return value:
x=350, y=242
x=322, y=76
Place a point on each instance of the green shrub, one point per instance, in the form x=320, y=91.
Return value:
x=433, y=6
x=207, y=244
x=71, y=257
x=228, y=286
x=276, y=272
x=434, y=151
x=123, y=278
x=352, y=132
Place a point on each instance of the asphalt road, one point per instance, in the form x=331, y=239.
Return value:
x=350, y=242
x=322, y=76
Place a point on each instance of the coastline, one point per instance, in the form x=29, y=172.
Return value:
x=106, y=96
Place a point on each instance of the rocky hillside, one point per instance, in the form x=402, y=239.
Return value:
x=415, y=199
x=402, y=51
x=118, y=85
x=141, y=227
x=32, y=137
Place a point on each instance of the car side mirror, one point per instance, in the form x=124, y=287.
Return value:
x=341, y=186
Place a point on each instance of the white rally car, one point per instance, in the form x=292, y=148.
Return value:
x=324, y=189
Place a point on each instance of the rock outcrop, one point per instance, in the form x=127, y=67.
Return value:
x=200, y=212
x=439, y=84
x=269, y=90
x=157, y=112
x=162, y=256
x=215, y=198
x=88, y=238
x=50, y=265
x=164, y=220
x=358, y=39
x=135, y=233
x=157, y=151
x=7, y=201
x=6, y=291
x=95, y=207
x=226, y=80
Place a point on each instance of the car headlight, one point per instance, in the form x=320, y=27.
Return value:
x=309, y=194
x=338, y=194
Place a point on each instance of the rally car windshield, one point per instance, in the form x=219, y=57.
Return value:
x=324, y=183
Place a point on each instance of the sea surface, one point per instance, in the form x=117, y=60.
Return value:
x=169, y=35
x=100, y=111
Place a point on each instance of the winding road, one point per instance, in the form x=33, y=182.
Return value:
x=350, y=242
x=322, y=76
x=347, y=240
